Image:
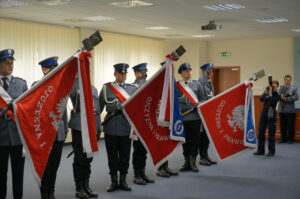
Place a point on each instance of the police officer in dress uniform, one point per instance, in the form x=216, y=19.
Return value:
x=49, y=177
x=140, y=153
x=191, y=121
x=81, y=163
x=268, y=117
x=164, y=170
x=205, y=80
x=286, y=108
x=10, y=143
x=116, y=128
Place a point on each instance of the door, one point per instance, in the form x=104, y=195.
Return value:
x=225, y=77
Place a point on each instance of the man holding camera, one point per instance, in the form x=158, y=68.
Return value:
x=288, y=95
x=268, y=117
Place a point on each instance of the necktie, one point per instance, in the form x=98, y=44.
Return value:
x=5, y=85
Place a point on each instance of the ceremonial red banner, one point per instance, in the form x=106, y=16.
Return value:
x=223, y=118
x=147, y=101
x=88, y=128
x=39, y=111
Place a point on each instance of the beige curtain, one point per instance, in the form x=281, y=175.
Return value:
x=117, y=48
x=35, y=42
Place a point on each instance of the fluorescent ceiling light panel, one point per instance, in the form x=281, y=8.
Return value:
x=157, y=28
x=202, y=36
x=271, y=20
x=131, y=4
x=296, y=30
x=55, y=2
x=224, y=7
x=12, y=3
x=98, y=18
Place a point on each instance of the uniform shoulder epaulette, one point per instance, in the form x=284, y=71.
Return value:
x=132, y=84
x=19, y=78
x=107, y=83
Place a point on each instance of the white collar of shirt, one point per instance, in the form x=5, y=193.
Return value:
x=122, y=84
x=8, y=79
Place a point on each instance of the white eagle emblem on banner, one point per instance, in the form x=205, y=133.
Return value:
x=61, y=109
x=236, y=120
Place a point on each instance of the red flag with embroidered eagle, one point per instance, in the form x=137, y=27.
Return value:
x=39, y=110
x=149, y=99
x=223, y=117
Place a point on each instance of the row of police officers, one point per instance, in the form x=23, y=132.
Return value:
x=115, y=126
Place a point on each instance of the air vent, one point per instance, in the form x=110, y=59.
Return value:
x=271, y=20
x=224, y=7
x=131, y=4
x=12, y=3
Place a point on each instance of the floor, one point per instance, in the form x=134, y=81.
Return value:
x=243, y=176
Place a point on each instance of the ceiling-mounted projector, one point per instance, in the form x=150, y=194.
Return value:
x=211, y=26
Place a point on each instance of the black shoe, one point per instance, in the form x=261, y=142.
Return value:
x=162, y=173
x=186, y=166
x=259, y=153
x=194, y=168
x=137, y=177
x=208, y=159
x=114, y=183
x=44, y=195
x=282, y=141
x=51, y=195
x=123, y=184
x=270, y=154
x=170, y=171
x=145, y=177
x=204, y=162
x=88, y=190
x=80, y=193
x=290, y=142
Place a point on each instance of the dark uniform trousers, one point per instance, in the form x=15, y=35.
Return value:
x=118, y=153
x=265, y=122
x=204, y=141
x=139, y=155
x=287, y=121
x=49, y=177
x=81, y=163
x=192, y=137
x=17, y=167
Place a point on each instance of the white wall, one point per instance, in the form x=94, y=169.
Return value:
x=274, y=55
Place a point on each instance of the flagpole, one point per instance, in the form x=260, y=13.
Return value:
x=46, y=77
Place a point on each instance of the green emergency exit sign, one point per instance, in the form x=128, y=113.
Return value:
x=225, y=54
